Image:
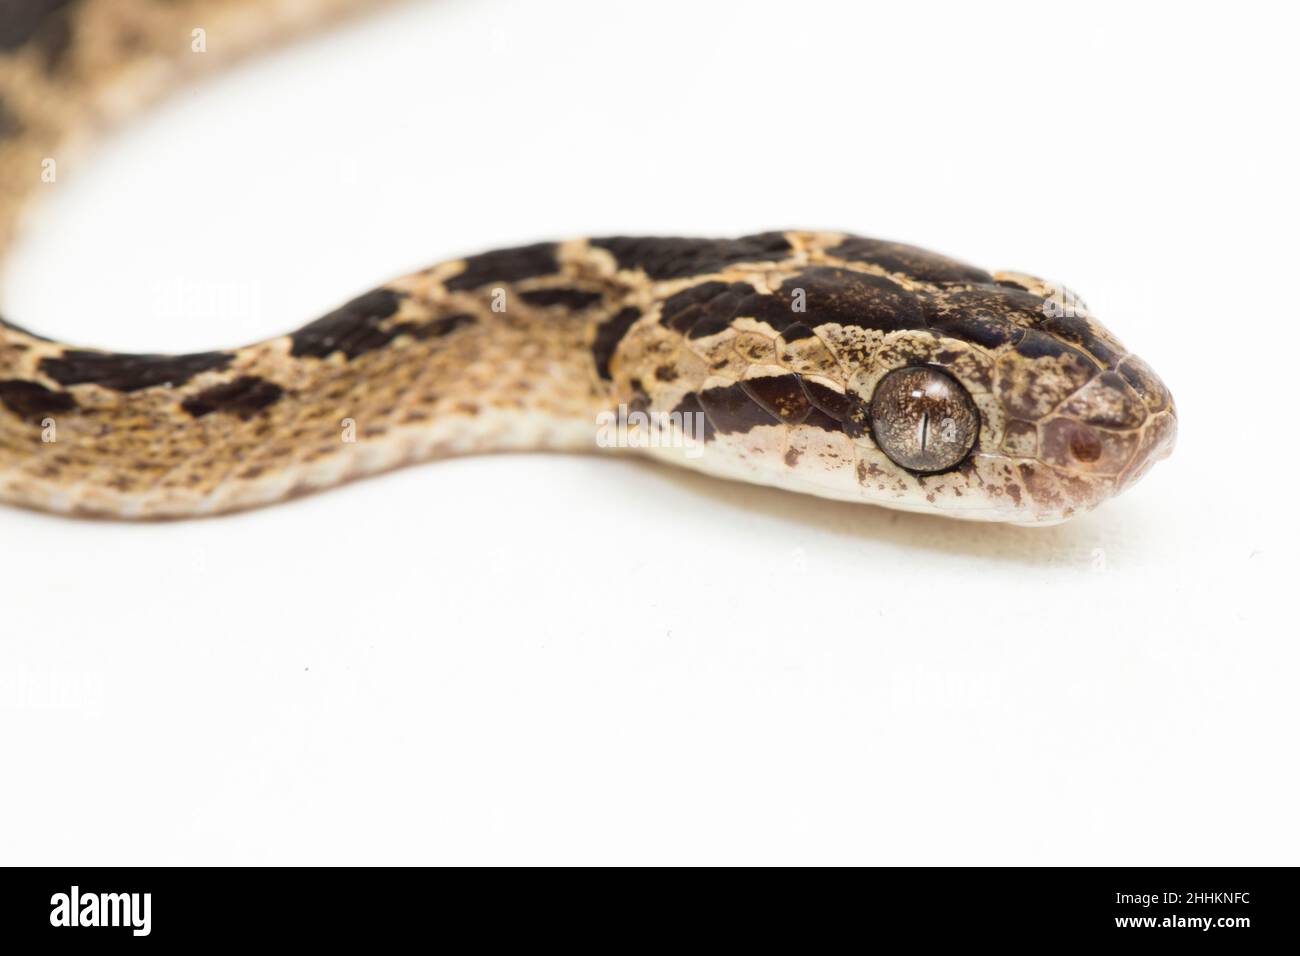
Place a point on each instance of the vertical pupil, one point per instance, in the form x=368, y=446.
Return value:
x=923, y=419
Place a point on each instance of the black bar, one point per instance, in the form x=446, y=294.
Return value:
x=1224, y=908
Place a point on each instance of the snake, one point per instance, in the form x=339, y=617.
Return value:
x=820, y=362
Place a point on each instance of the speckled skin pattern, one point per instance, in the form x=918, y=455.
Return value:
x=773, y=344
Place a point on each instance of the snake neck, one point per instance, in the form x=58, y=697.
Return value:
x=408, y=372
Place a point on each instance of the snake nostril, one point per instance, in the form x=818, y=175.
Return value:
x=1085, y=446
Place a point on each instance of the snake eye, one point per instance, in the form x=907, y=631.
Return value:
x=923, y=419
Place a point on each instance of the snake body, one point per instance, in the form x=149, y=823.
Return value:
x=820, y=362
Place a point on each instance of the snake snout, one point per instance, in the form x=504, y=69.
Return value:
x=1159, y=436
x=1115, y=428
x=1158, y=432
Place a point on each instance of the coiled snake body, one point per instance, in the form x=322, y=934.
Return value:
x=822, y=362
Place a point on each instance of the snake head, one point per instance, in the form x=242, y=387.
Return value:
x=1013, y=403
x=874, y=371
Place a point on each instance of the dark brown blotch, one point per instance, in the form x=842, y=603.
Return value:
x=847, y=412
x=836, y=404
x=32, y=401
x=29, y=21
x=796, y=332
x=731, y=409
x=661, y=258
x=354, y=329
x=844, y=297
x=819, y=419
x=690, y=405
x=245, y=397
x=777, y=399
x=816, y=296
x=435, y=329
x=780, y=395
x=609, y=334
x=506, y=265
x=575, y=299
x=706, y=304
x=971, y=319
x=910, y=260
x=1078, y=331
x=1034, y=345
x=130, y=373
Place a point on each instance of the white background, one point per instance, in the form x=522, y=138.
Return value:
x=568, y=659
